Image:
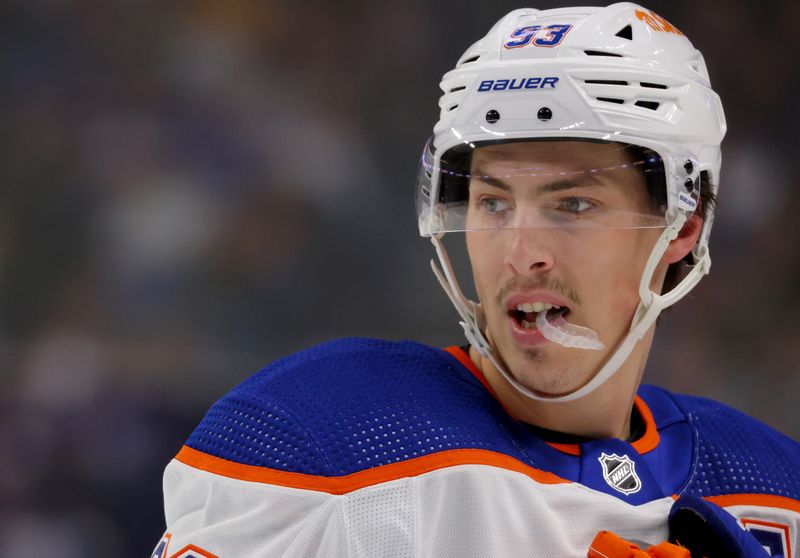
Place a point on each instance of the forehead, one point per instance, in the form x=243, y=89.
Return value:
x=536, y=167
x=583, y=155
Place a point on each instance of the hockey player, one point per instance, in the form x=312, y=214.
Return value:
x=578, y=151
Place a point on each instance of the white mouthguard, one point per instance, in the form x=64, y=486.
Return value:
x=566, y=334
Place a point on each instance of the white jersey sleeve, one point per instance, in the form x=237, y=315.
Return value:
x=222, y=516
x=443, y=509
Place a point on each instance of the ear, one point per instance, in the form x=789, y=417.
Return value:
x=685, y=241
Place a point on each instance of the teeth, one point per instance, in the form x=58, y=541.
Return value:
x=528, y=307
x=528, y=325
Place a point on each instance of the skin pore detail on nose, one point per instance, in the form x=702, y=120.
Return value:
x=541, y=282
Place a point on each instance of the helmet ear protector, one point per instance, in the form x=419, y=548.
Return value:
x=619, y=76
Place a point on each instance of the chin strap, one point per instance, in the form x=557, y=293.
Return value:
x=650, y=306
x=472, y=318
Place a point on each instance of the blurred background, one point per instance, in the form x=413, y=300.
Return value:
x=189, y=190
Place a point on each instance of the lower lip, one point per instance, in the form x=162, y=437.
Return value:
x=525, y=336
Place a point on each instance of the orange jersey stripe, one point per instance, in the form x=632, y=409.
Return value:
x=765, y=500
x=362, y=479
x=196, y=550
x=651, y=438
x=571, y=449
x=777, y=526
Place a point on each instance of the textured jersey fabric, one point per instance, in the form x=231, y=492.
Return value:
x=368, y=448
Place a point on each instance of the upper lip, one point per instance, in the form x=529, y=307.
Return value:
x=521, y=297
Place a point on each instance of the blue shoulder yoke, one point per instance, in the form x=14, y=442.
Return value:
x=736, y=454
x=353, y=404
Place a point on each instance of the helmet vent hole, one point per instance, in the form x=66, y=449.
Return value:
x=544, y=114
x=610, y=100
x=471, y=59
x=626, y=33
x=652, y=105
x=606, y=82
x=454, y=107
x=459, y=88
x=601, y=53
x=653, y=85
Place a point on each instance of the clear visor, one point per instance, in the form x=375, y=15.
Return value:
x=541, y=184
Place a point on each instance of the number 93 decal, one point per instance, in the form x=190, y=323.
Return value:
x=548, y=36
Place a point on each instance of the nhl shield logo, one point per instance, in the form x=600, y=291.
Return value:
x=620, y=473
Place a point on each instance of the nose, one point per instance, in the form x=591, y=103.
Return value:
x=529, y=251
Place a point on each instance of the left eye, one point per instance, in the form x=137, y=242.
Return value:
x=575, y=205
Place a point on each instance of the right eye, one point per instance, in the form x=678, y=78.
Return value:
x=493, y=206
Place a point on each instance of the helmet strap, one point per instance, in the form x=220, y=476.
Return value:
x=650, y=306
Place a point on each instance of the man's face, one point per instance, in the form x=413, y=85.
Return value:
x=529, y=204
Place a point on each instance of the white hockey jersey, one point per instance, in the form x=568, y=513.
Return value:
x=366, y=448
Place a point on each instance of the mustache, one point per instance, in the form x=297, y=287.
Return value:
x=542, y=282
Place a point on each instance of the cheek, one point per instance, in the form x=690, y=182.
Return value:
x=630, y=264
x=607, y=269
x=477, y=260
x=486, y=260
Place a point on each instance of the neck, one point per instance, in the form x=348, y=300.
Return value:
x=603, y=413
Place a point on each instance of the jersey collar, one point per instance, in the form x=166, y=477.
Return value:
x=645, y=443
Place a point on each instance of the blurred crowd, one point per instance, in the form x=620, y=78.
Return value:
x=189, y=190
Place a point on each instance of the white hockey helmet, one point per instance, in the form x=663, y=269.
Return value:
x=617, y=74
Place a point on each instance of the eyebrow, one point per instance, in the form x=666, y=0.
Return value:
x=554, y=186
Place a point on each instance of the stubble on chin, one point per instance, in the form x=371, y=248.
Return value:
x=536, y=375
x=534, y=356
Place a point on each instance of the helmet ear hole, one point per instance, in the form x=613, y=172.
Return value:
x=708, y=201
